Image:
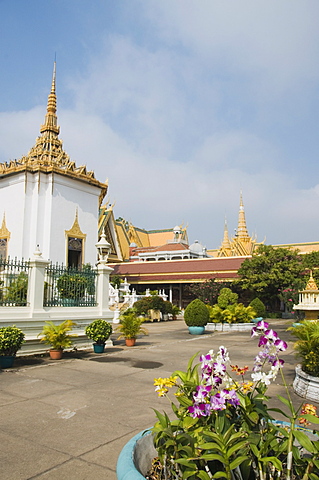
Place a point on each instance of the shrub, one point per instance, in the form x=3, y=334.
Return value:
x=196, y=314
x=259, y=307
x=18, y=290
x=72, y=285
x=226, y=298
x=307, y=346
x=99, y=331
x=236, y=313
x=11, y=340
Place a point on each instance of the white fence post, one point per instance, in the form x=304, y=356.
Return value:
x=36, y=281
x=102, y=290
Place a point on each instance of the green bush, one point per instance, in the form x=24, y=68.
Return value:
x=259, y=307
x=11, y=340
x=196, y=314
x=99, y=331
x=307, y=346
x=236, y=313
x=18, y=290
x=226, y=298
x=72, y=285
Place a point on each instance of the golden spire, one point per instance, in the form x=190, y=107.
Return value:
x=242, y=232
x=226, y=241
x=48, y=155
x=51, y=120
x=225, y=249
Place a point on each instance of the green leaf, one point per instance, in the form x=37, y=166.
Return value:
x=313, y=476
x=310, y=418
x=212, y=456
x=235, y=448
x=274, y=460
x=189, y=473
x=238, y=461
x=184, y=461
x=278, y=410
x=284, y=400
x=304, y=441
x=203, y=475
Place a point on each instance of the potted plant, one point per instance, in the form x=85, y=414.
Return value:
x=58, y=337
x=306, y=383
x=196, y=316
x=220, y=425
x=11, y=340
x=130, y=326
x=99, y=331
x=71, y=287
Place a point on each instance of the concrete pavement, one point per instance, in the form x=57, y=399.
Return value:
x=70, y=418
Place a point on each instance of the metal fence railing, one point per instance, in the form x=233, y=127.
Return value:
x=14, y=275
x=68, y=287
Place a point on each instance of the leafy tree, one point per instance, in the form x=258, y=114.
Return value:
x=207, y=291
x=270, y=271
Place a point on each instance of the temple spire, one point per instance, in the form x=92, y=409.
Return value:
x=51, y=120
x=242, y=232
x=226, y=241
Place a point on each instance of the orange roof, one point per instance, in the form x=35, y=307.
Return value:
x=179, y=271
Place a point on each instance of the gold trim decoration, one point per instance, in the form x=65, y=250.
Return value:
x=75, y=231
x=4, y=232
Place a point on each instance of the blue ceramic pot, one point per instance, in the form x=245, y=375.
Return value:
x=6, y=361
x=98, y=347
x=196, y=330
x=136, y=457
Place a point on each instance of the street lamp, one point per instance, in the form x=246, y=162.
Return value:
x=103, y=247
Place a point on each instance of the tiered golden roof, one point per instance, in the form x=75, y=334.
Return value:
x=242, y=244
x=47, y=155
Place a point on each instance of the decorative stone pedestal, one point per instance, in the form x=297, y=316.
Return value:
x=306, y=386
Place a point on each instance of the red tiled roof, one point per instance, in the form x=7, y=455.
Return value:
x=184, y=271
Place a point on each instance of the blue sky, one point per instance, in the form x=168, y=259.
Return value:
x=180, y=104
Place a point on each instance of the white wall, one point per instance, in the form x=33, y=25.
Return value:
x=40, y=207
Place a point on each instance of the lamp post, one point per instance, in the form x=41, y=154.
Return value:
x=103, y=248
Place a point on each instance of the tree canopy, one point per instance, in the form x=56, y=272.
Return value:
x=272, y=270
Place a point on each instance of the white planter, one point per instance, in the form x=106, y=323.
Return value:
x=229, y=327
x=306, y=386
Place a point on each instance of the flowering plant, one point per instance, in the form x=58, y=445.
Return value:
x=223, y=427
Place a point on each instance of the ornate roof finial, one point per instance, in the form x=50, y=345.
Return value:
x=242, y=232
x=51, y=120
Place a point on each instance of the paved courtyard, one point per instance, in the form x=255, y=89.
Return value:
x=70, y=418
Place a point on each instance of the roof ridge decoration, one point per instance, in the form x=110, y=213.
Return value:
x=47, y=154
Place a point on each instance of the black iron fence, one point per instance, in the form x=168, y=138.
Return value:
x=14, y=275
x=68, y=287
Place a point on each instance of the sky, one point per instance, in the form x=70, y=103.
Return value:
x=180, y=104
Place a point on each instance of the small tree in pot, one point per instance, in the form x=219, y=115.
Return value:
x=99, y=331
x=196, y=316
x=130, y=327
x=58, y=337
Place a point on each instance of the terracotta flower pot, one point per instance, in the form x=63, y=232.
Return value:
x=56, y=354
x=130, y=342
